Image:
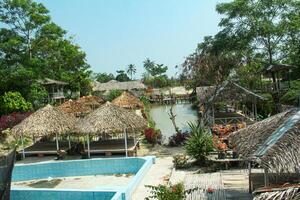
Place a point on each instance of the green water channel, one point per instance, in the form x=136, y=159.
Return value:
x=184, y=114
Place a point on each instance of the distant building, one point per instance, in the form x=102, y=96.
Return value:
x=116, y=85
x=55, y=89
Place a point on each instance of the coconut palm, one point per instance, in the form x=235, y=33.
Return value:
x=131, y=70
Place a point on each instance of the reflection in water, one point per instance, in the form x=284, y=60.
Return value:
x=184, y=114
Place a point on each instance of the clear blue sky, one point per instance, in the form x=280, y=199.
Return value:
x=115, y=33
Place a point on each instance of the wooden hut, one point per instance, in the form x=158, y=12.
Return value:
x=74, y=108
x=127, y=100
x=234, y=97
x=55, y=89
x=273, y=144
x=107, y=122
x=48, y=121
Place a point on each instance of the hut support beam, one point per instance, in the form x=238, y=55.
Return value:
x=266, y=177
x=88, y=145
x=23, y=148
x=69, y=141
x=57, y=144
x=126, y=150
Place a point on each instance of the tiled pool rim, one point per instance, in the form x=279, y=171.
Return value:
x=119, y=193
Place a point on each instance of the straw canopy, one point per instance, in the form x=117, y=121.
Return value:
x=127, y=100
x=74, y=108
x=116, y=85
x=91, y=101
x=48, y=120
x=110, y=118
x=273, y=142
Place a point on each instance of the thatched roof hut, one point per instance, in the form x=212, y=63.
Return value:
x=115, y=85
x=110, y=118
x=48, y=120
x=127, y=100
x=74, y=108
x=93, y=102
x=273, y=142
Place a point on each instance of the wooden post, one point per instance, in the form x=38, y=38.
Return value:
x=69, y=141
x=126, y=150
x=88, y=145
x=249, y=175
x=23, y=148
x=57, y=144
x=266, y=177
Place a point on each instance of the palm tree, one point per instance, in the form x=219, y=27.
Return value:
x=131, y=70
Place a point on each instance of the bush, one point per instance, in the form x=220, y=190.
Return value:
x=291, y=97
x=14, y=102
x=177, y=139
x=152, y=136
x=180, y=161
x=200, y=143
x=169, y=192
x=112, y=94
x=9, y=121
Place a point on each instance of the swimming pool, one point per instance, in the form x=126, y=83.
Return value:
x=102, y=166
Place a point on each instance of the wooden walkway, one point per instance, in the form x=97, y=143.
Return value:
x=224, y=185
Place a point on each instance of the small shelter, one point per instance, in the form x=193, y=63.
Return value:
x=93, y=102
x=127, y=100
x=55, y=89
x=74, y=108
x=233, y=95
x=47, y=121
x=274, y=144
x=116, y=85
x=110, y=119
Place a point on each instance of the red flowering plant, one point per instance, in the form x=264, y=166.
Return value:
x=9, y=121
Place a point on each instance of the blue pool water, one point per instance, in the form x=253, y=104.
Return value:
x=104, y=166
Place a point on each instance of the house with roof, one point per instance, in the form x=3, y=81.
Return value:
x=55, y=89
x=100, y=88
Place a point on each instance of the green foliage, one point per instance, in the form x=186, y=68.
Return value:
x=37, y=94
x=32, y=47
x=131, y=70
x=169, y=192
x=292, y=96
x=112, y=94
x=146, y=111
x=266, y=107
x=200, y=143
x=180, y=161
x=14, y=102
x=104, y=77
x=122, y=76
x=154, y=69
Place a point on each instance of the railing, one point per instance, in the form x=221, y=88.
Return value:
x=282, y=86
x=57, y=95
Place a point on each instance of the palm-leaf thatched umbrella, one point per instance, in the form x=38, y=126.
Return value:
x=75, y=108
x=127, y=100
x=93, y=102
x=46, y=121
x=110, y=118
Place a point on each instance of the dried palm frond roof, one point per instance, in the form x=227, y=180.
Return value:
x=74, y=108
x=91, y=101
x=127, y=100
x=291, y=192
x=115, y=85
x=274, y=142
x=46, y=121
x=48, y=81
x=110, y=118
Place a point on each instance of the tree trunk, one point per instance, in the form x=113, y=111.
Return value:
x=173, y=117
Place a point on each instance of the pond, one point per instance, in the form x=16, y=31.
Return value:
x=184, y=114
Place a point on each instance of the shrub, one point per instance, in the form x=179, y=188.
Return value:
x=8, y=121
x=291, y=97
x=152, y=136
x=113, y=94
x=169, y=192
x=200, y=143
x=177, y=139
x=180, y=161
x=14, y=102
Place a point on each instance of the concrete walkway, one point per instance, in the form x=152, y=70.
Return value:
x=158, y=174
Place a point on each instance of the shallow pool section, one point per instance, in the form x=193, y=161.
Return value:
x=136, y=167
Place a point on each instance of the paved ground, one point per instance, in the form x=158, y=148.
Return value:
x=158, y=174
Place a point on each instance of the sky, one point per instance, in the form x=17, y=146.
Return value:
x=115, y=33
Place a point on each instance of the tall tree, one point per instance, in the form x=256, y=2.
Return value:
x=104, y=77
x=122, y=76
x=131, y=70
